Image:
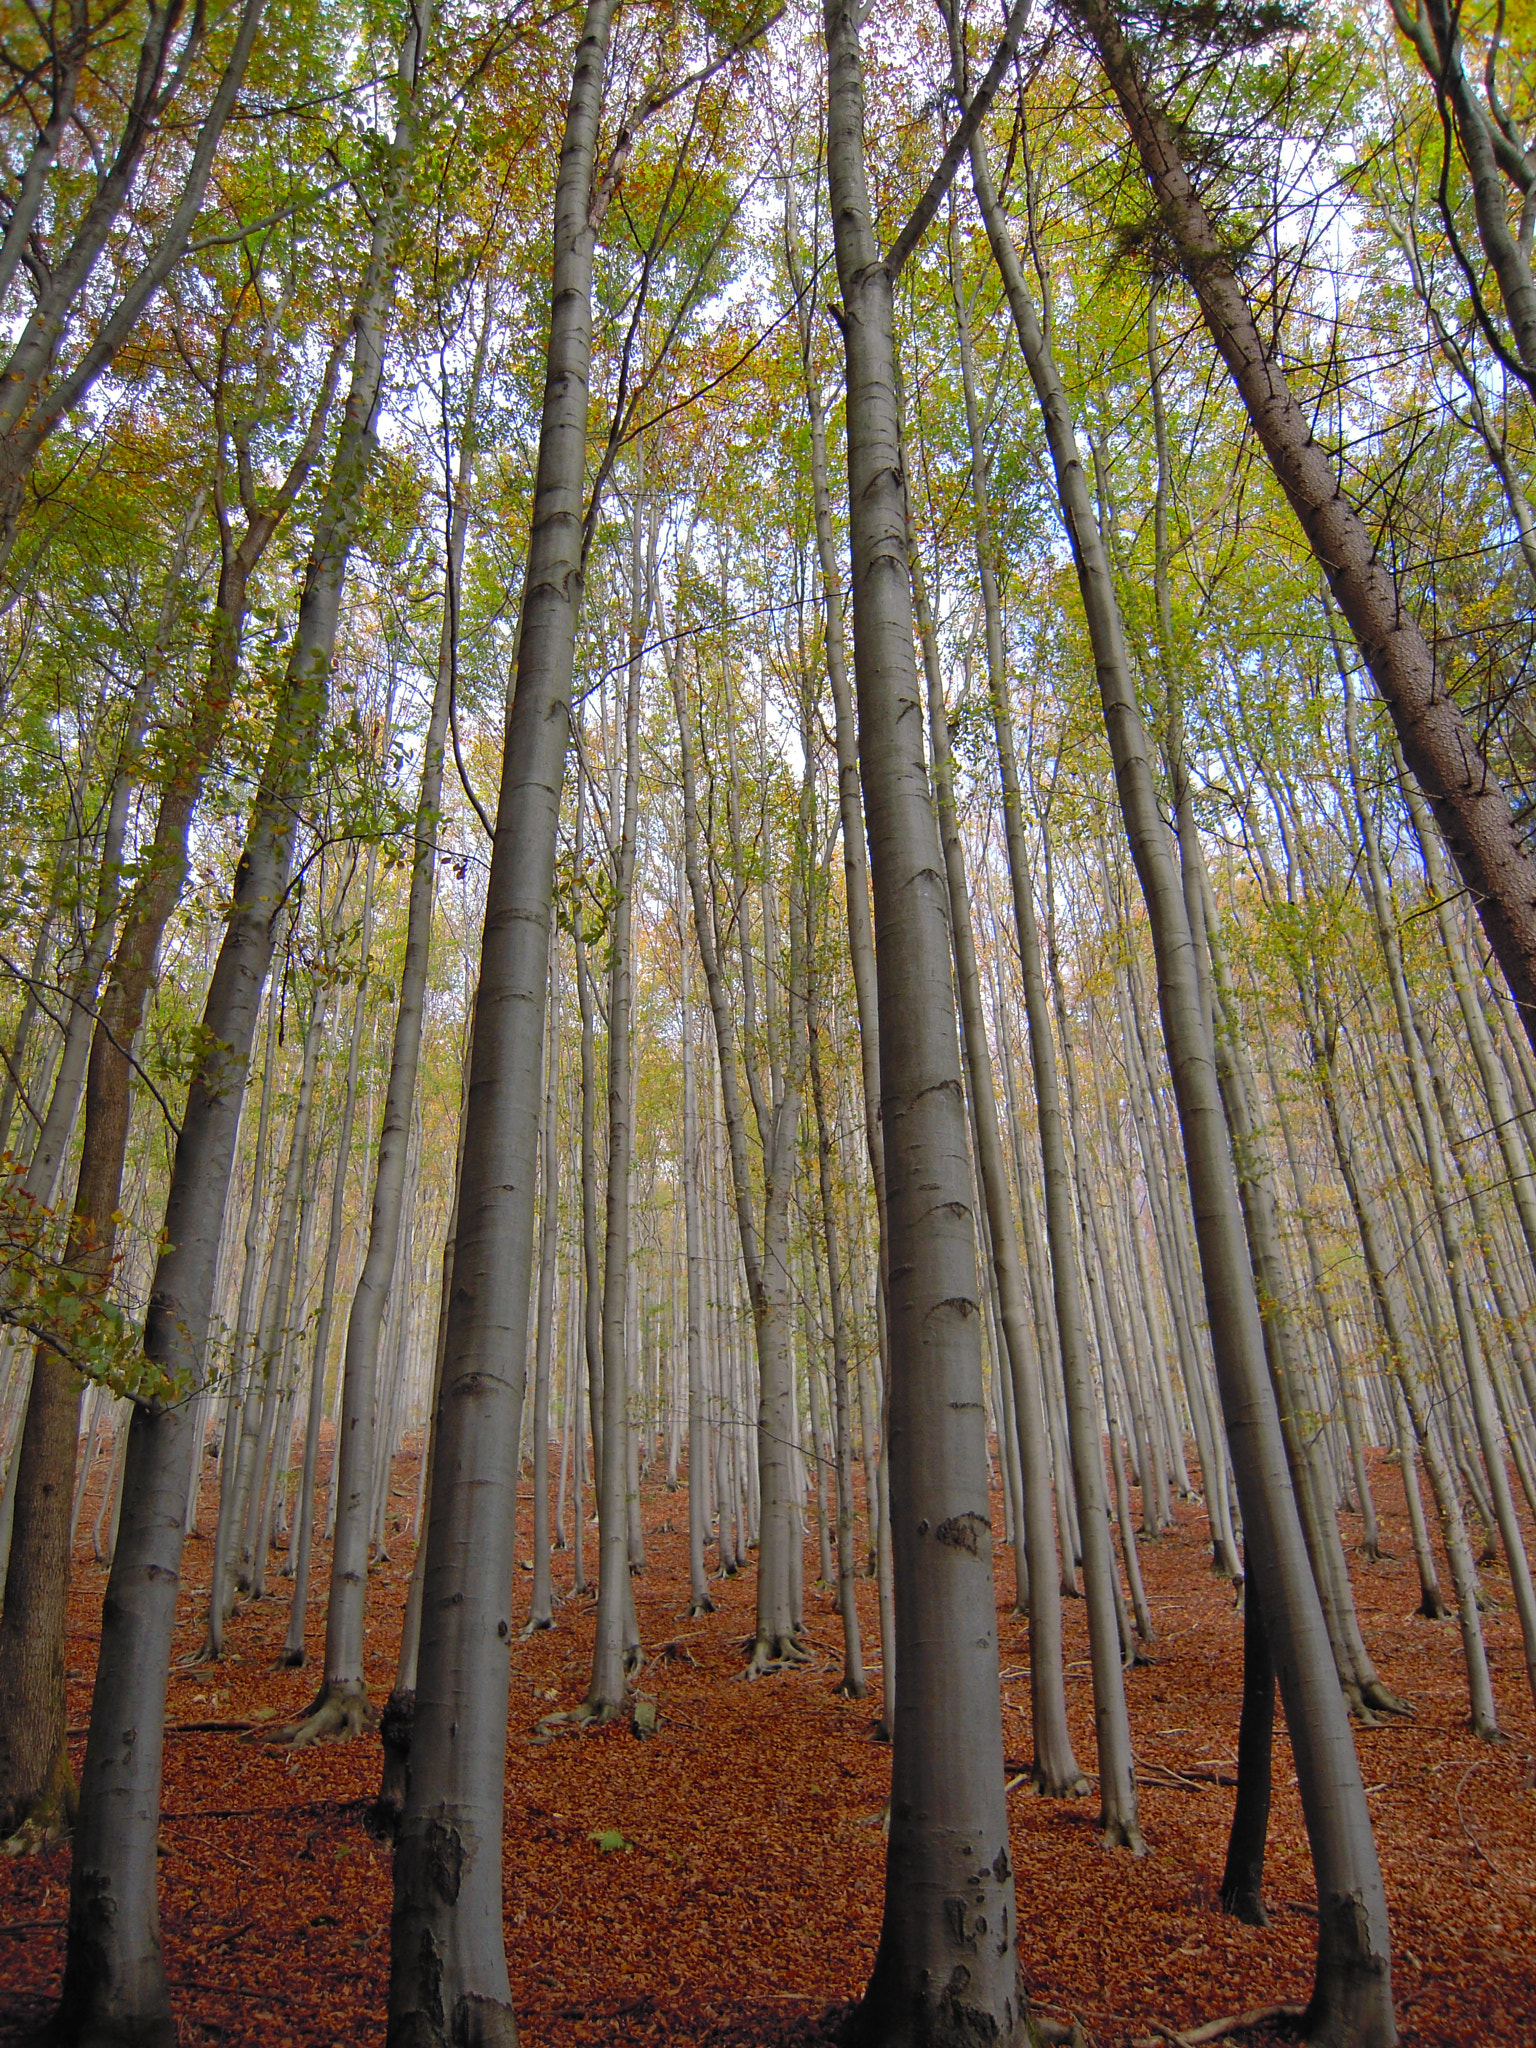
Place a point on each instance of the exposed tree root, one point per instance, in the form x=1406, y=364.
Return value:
x=43, y=1829
x=776, y=1653
x=1053, y=1785
x=581, y=1720
x=703, y=1605
x=1219, y=2030
x=531, y=1627
x=334, y=1717
x=1382, y=1700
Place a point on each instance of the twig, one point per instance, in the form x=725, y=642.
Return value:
x=1218, y=2030
x=195, y=1728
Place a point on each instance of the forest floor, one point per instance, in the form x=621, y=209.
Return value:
x=744, y=1904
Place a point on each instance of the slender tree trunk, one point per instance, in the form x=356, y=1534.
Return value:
x=1242, y=1881
x=341, y=1708
x=946, y=1969
x=114, y=1977
x=448, y=1972
x=541, y=1605
x=615, y=1633
x=699, y=1601
x=1056, y=1771
x=1351, y=2005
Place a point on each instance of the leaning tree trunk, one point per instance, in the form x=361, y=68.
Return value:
x=1351, y=2006
x=448, y=1968
x=114, y=1975
x=1482, y=827
x=946, y=1969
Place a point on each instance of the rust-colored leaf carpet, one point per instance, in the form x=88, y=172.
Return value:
x=719, y=1883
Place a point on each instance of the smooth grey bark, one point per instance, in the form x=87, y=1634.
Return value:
x=615, y=1645
x=448, y=1970
x=1055, y=1771
x=1351, y=2005
x=861, y=939
x=541, y=1601
x=946, y=1968
x=114, y=1975
x=699, y=1601
x=1117, y=1775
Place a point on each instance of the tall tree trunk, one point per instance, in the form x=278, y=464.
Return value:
x=541, y=1604
x=114, y=1976
x=699, y=1601
x=293, y=1644
x=861, y=939
x=37, y=1791
x=448, y=1970
x=946, y=1969
x=615, y=1633
x=1056, y=1772
x=1351, y=2006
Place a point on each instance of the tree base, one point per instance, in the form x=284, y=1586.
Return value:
x=1382, y=1700
x=1116, y=1833
x=41, y=1820
x=337, y=1715
x=1060, y=1781
x=584, y=1719
x=1242, y=1902
x=768, y=1654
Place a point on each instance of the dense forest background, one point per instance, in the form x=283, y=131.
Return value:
x=670, y=676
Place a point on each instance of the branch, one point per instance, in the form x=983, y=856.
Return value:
x=959, y=143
